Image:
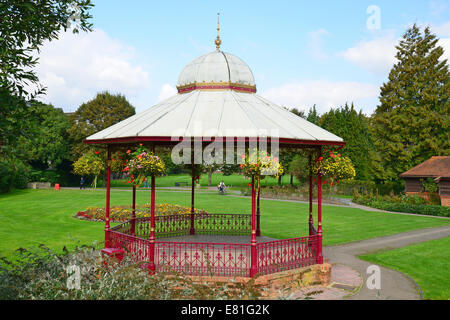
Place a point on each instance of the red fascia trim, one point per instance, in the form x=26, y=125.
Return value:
x=341, y=144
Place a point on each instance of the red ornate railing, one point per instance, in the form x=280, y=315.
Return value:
x=281, y=255
x=224, y=224
x=137, y=248
x=212, y=259
x=219, y=259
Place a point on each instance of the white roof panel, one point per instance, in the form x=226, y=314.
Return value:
x=216, y=113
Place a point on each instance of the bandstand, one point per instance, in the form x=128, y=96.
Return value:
x=216, y=101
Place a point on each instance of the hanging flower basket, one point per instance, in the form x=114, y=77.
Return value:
x=143, y=163
x=334, y=168
x=259, y=164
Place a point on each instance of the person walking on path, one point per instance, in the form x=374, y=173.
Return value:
x=146, y=183
x=82, y=183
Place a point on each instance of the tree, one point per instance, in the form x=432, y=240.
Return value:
x=411, y=122
x=286, y=156
x=101, y=112
x=313, y=116
x=91, y=163
x=353, y=127
x=299, y=166
x=297, y=112
x=45, y=143
x=24, y=27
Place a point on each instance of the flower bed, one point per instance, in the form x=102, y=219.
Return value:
x=124, y=213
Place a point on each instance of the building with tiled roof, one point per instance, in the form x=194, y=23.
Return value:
x=437, y=168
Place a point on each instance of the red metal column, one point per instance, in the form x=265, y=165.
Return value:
x=152, y=227
x=253, y=267
x=133, y=212
x=192, y=200
x=319, y=211
x=258, y=217
x=310, y=196
x=108, y=193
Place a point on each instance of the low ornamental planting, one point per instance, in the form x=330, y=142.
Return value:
x=85, y=274
x=403, y=203
x=124, y=213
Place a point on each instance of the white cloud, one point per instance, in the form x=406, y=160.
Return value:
x=376, y=56
x=442, y=30
x=316, y=42
x=167, y=91
x=77, y=66
x=443, y=33
x=325, y=94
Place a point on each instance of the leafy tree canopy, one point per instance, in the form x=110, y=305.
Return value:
x=45, y=141
x=101, y=112
x=353, y=127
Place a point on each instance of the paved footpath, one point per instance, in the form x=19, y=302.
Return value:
x=394, y=285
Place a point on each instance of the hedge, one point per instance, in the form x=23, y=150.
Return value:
x=425, y=209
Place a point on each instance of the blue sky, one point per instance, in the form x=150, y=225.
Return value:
x=301, y=52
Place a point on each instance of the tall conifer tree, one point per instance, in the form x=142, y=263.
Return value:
x=411, y=124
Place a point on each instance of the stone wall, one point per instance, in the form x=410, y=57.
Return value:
x=291, y=280
x=39, y=185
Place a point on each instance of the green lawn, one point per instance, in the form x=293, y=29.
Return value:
x=235, y=180
x=31, y=217
x=428, y=263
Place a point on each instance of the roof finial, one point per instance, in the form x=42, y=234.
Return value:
x=218, y=41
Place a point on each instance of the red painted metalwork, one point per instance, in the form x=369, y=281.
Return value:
x=220, y=259
x=114, y=253
x=258, y=216
x=281, y=255
x=175, y=140
x=152, y=228
x=192, y=230
x=137, y=237
x=108, y=193
x=311, y=222
x=133, y=212
x=319, y=214
x=179, y=225
x=212, y=259
x=254, y=257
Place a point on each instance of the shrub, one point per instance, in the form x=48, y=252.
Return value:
x=402, y=203
x=41, y=274
x=13, y=174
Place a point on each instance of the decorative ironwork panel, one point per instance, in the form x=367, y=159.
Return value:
x=281, y=255
x=203, y=259
x=173, y=225
x=134, y=247
x=224, y=224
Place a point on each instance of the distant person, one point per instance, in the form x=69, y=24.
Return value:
x=221, y=187
x=82, y=183
x=146, y=183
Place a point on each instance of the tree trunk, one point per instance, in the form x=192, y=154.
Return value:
x=279, y=181
x=292, y=180
x=209, y=176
